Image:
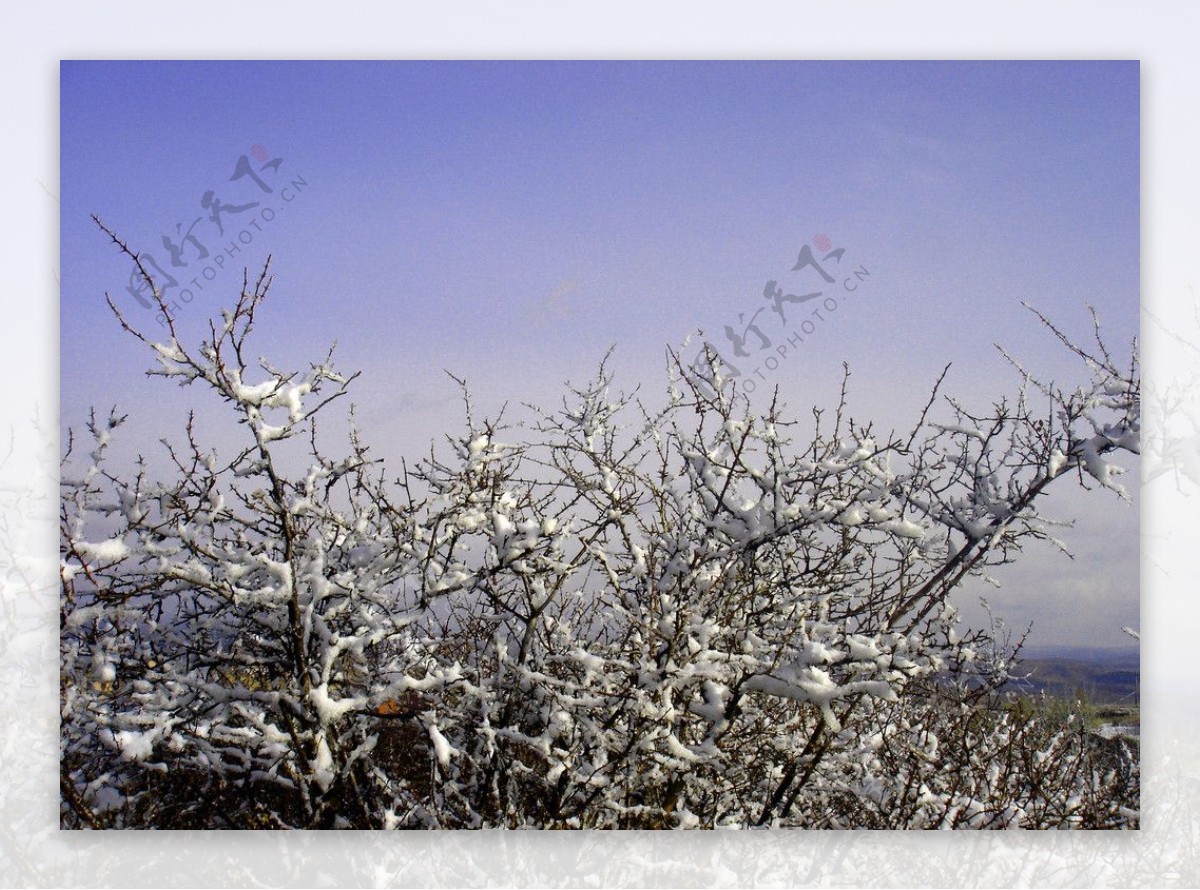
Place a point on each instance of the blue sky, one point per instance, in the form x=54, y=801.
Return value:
x=511, y=221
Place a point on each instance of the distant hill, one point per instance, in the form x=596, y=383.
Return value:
x=1124, y=656
x=1106, y=676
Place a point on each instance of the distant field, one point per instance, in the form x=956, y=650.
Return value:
x=1104, y=677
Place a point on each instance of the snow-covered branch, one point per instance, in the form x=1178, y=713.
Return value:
x=607, y=614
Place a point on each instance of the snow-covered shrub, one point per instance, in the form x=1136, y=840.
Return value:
x=609, y=616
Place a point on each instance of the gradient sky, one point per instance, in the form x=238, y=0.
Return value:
x=511, y=221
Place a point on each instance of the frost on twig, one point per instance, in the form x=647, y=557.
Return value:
x=608, y=614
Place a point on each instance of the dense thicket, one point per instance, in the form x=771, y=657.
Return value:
x=606, y=615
